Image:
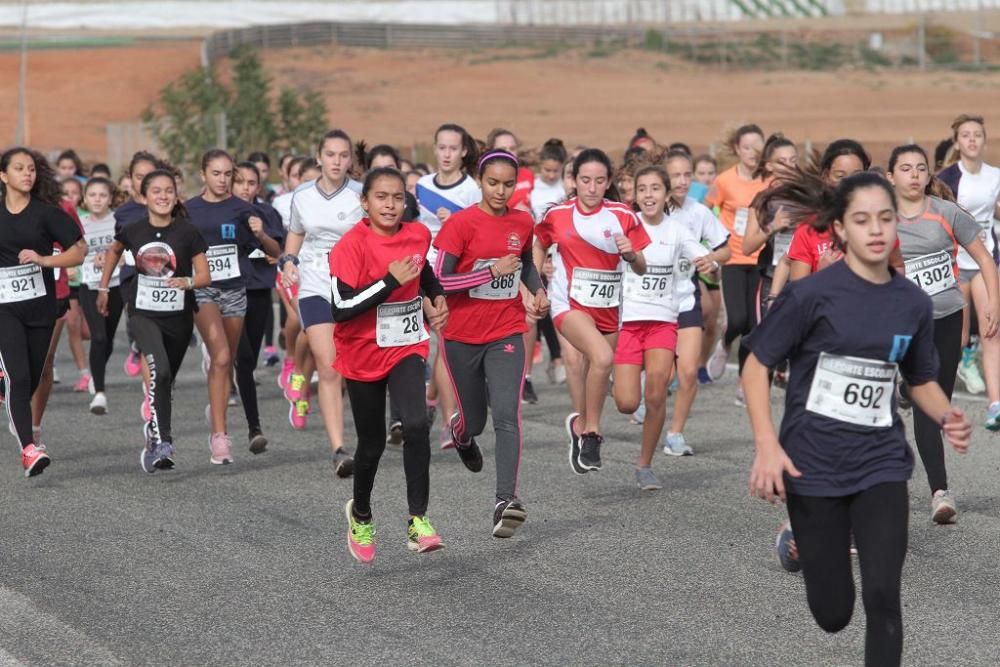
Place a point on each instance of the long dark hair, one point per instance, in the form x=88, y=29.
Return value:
x=46, y=188
x=179, y=211
x=588, y=155
x=935, y=187
x=468, y=143
x=661, y=173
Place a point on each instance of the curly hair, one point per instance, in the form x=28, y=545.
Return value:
x=46, y=187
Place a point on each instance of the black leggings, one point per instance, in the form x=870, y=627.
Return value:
x=927, y=430
x=269, y=324
x=102, y=330
x=254, y=324
x=547, y=330
x=406, y=388
x=739, y=293
x=164, y=342
x=823, y=526
x=23, y=350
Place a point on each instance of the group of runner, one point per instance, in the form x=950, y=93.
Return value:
x=369, y=258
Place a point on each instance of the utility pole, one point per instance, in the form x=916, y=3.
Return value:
x=21, y=133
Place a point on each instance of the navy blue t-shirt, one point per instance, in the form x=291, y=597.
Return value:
x=128, y=213
x=260, y=273
x=224, y=224
x=838, y=313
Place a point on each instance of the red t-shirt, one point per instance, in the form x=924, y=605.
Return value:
x=492, y=311
x=522, y=191
x=587, y=258
x=361, y=258
x=808, y=244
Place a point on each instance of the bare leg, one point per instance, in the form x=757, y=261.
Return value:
x=689, y=346
x=579, y=329
x=331, y=402
x=210, y=325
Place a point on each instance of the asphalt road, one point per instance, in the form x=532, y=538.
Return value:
x=246, y=564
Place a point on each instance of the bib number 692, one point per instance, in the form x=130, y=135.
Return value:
x=865, y=397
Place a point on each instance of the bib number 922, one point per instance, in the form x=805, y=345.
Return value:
x=864, y=396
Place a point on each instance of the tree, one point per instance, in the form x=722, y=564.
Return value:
x=250, y=120
x=302, y=119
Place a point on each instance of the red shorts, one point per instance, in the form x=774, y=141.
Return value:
x=558, y=320
x=637, y=337
x=289, y=292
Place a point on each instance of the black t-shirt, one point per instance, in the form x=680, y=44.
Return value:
x=128, y=213
x=843, y=337
x=260, y=273
x=161, y=252
x=412, y=210
x=224, y=224
x=37, y=228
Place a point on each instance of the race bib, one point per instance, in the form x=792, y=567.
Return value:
x=596, y=289
x=932, y=273
x=740, y=221
x=257, y=254
x=853, y=390
x=129, y=258
x=153, y=294
x=654, y=286
x=92, y=275
x=319, y=261
x=782, y=242
x=499, y=289
x=21, y=283
x=400, y=324
x=223, y=262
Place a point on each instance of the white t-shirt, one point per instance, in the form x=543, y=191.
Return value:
x=324, y=219
x=283, y=205
x=978, y=194
x=432, y=196
x=699, y=220
x=99, y=234
x=656, y=295
x=545, y=195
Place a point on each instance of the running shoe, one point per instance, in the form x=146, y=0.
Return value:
x=943, y=508
x=421, y=536
x=447, y=442
x=508, y=515
x=360, y=536
x=968, y=371
x=145, y=409
x=471, y=455
x=740, y=401
x=90, y=386
x=716, y=366
x=674, y=445
x=99, y=404
x=82, y=383
x=287, y=367
x=395, y=436
x=55, y=375
x=297, y=414
x=164, y=456
x=133, y=366
x=590, y=451
x=675, y=385
x=234, y=398
x=343, y=463
x=296, y=388
x=788, y=553
x=221, y=447
x=258, y=443
x=34, y=459
x=271, y=357
x=574, y=444
x=550, y=372
x=781, y=379
x=560, y=373
x=528, y=394
x=639, y=416
x=147, y=457
x=993, y=417
x=646, y=480
x=703, y=377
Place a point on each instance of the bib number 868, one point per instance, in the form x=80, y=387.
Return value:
x=865, y=397
x=503, y=282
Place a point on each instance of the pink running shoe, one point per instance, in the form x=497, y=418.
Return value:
x=298, y=413
x=221, y=447
x=287, y=366
x=133, y=366
x=360, y=536
x=34, y=459
x=83, y=384
x=297, y=388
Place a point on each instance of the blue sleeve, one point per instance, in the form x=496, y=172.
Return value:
x=784, y=327
x=920, y=363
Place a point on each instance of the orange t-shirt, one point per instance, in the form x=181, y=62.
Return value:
x=733, y=195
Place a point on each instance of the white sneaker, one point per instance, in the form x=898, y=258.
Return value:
x=560, y=374
x=943, y=508
x=99, y=406
x=968, y=373
x=716, y=366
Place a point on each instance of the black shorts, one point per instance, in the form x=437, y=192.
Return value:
x=62, y=307
x=74, y=293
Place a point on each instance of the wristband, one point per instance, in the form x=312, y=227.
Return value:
x=103, y=289
x=284, y=259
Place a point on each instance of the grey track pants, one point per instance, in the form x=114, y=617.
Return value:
x=499, y=365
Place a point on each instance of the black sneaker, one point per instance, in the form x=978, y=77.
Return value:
x=574, y=444
x=528, y=395
x=471, y=455
x=343, y=462
x=395, y=436
x=508, y=517
x=590, y=451
x=258, y=443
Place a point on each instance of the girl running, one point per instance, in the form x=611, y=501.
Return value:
x=650, y=304
x=323, y=211
x=261, y=273
x=704, y=227
x=930, y=231
x=484, y=255
x=976, y=186
x=99, y=231
x=549, y=188
x=441, y=194
x=594, y=235
x=841, y=399
x=505, y=140
x=31, y=221
x=170, y=260
x=232, y=232
x=733, y=191
x=382, y=288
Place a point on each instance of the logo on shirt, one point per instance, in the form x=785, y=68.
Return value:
x=156, y=259
x=513, y=241
x=900, y=344
x=606, y=233
x=418, y=259
x=228, y=232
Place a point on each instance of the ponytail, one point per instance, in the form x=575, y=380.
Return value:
x=469, y=144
